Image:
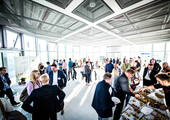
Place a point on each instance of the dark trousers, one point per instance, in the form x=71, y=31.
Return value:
x=95, y=75
x=65, y=71
x=74, y=74
x=119, y=108
x=69, y=73
x=9, y=94
x=87, y=78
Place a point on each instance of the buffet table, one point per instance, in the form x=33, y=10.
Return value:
x=151, y=106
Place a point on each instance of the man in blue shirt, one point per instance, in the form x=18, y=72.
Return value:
x=70, y=66
x=48, y=68
x=5, y=86
x=109, y=67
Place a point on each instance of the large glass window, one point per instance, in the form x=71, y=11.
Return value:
x=13, y=40
x=83, y=52
x=158, y=46
x=76, y=52
x=29, y=45
x=42, y=50
x=168, y=52
x=52, y=48
x=61, y=51
x=68, y=51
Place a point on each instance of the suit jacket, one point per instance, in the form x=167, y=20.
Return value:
x=156, y=68
x=152, y=75
x=61, y=78
x=102, y=101
x=121, y=87
x=46, y=101
x=1, y=82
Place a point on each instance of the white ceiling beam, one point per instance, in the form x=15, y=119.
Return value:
x=59, y=9
x=75, y=32
x=158, y=32
x=90, y=24
x=113, y=34
x=113, y=5
x=143, y=2
x=73, y=5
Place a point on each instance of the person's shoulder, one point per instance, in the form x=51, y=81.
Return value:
x=100, y=83
x=30, y=83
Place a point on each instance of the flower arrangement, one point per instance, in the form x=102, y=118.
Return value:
x=20, y=78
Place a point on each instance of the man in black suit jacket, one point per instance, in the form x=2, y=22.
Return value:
x=149, y=75
x=46, y=100
x=5, y=86
x=102, y=101
x=156, y=66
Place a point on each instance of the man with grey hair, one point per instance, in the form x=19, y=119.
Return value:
x=102, y=101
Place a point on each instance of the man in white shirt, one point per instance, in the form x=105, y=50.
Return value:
x=148, y=76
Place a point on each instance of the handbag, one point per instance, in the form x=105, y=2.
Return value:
x=15, y=115
x=24, y=94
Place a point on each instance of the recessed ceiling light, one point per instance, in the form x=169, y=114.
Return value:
x=92, y=4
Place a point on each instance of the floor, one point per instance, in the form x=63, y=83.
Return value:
x=77, y=101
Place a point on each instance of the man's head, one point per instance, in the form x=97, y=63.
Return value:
x=87, y=62
x=129, y=73
x=126, y=61
x=69, y=58
x=2, y=70
x=44, y=79
x=48, y=63
x=54, y=67
x=115, y=65
x=150, y=66
x=163, y=79
x=107, y=77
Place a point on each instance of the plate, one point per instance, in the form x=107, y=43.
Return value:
x=146, y=110
x=115, y=99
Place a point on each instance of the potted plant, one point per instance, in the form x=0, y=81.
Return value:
x=23, y=80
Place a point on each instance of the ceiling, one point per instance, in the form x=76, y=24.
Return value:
x=90, y=22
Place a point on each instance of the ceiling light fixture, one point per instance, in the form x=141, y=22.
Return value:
x=92, y=3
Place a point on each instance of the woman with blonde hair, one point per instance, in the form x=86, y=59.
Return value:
x=34, y=82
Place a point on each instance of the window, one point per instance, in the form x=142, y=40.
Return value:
x=29, y=45
x=42, y=50
x=158, y=46
x=13, y=40
x=61, y=51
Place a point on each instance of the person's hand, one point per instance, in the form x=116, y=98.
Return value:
x=143, y=89
x=116, y=103
x=137, y=96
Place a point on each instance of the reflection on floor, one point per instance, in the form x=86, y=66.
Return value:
x=77, y=101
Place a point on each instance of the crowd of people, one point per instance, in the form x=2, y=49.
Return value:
x=121, y=82
x=45, y=95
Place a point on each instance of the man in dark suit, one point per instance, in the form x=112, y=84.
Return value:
x=5, y=86
x=57, y=77
x=102, y=101
x=149, y=76
x=46, y=101
x=121, y=88
x=156, y=66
